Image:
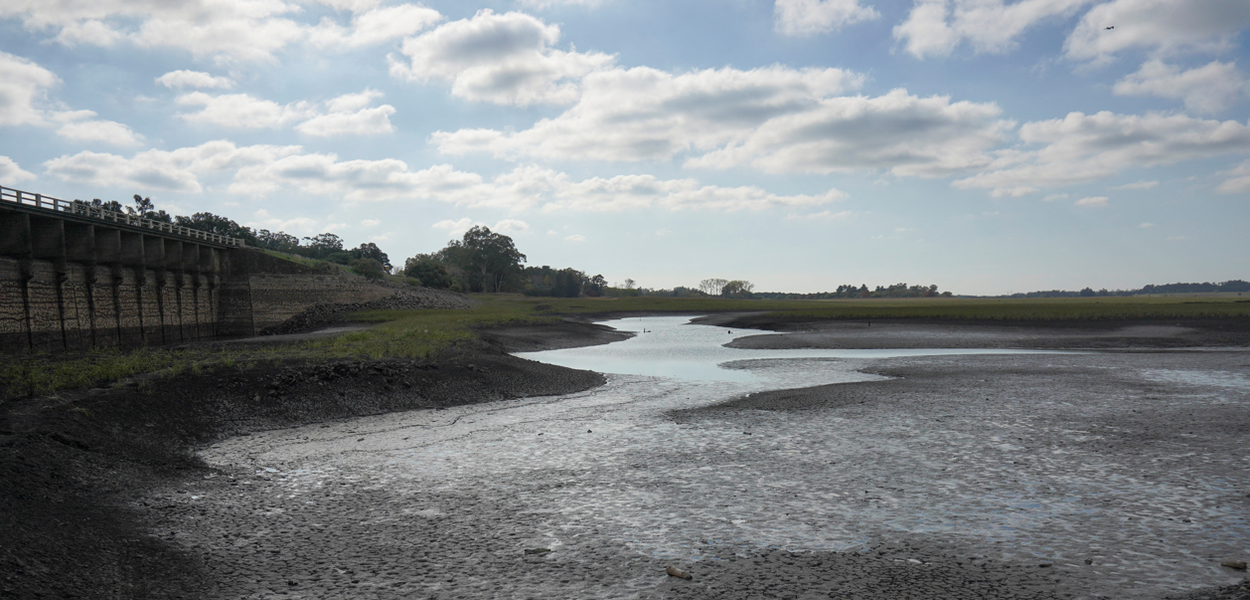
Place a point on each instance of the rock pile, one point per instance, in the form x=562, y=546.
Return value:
x=405, y=298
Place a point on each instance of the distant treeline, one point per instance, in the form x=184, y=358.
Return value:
x=898, y=290
x=1235, y=285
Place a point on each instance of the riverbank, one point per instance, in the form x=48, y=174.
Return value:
x=110, y=501
x=79, y=468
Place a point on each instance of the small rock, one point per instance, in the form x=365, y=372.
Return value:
x=675, y=572
x=1240, y=565
x=1044, y=565
x=537, y=550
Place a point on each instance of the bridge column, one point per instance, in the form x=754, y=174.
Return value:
x=106, y=289
x=45, y=295
x=154, y=289
x=77, y=289
x=131, y=277
x=15, y=267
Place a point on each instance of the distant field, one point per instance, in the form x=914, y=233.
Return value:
x=997, y=309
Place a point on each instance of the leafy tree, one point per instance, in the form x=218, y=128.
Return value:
x=371, y=250
x=280, y=241
x=144, y=208
x=487, y=259
x=323, y=245
x=712, y=287
x=206, y=221
x=112, y=205
x=738, y=288
x=368, y=267
x=427, y=269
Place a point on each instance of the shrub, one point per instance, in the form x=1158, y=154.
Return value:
x=368, y=267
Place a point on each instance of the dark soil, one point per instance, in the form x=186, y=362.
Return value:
x=71, y=466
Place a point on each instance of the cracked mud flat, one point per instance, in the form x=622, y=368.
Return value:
x=959, y=476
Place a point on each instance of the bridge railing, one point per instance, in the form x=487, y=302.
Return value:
x=86, y=209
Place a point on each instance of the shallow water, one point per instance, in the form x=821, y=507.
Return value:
x=674, y=347
x=1022, y=475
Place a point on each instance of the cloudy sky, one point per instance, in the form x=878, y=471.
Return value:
x=982, y=145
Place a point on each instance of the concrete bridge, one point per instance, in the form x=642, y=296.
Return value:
x=73, y=276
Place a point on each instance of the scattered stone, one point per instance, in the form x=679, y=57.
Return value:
x=675, y=572
x=1240, y=565
x=537, y=550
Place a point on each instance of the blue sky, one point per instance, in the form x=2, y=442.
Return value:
x=985, y=146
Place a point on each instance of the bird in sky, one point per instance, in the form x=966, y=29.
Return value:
x=1111, y=27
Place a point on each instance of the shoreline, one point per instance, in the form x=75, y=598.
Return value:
x=89, y=468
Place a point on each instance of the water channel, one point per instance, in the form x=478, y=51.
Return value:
x=1023, y=476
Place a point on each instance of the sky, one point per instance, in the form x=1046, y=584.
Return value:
x=985, y=146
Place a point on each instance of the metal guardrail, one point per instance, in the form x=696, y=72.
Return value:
x=79, y=208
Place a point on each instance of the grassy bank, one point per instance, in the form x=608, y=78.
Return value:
x=422, y=333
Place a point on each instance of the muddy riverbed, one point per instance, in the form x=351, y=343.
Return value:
x=1032, y=475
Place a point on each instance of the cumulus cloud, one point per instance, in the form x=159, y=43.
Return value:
x=242, y=111
x=1140, y=185
x=1163, y=26
x=1092, y=202
x=807, y=17
x=511, y=226
x=227, y=31
x=500, y=58
x=350, y=114
x=193, y=79
x=375, y=26
x=575, y=238
x=1080, y=147
x=541, y=4
x=343, y=115
x=1207, y=89
x=776, y=119
x=25, y=84
x=824, y=215
x=1238, y=180
x=10, y=173
x=78, y=125
x=297, y=226
x=938, y=27
x=175, y=171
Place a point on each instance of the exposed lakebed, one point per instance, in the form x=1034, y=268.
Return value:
x=1105, y=466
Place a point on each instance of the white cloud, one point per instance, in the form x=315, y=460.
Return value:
x=504, y=59
x=1238, y=181
x=824, y=215
x=937, y=27
x=1080, y=147
x=1207, y=89
x=193, y=79
x=511, y=226
x=1140, y=185
x=243, y=111
x=776, y=119
x=163, y=170
x=78, y=125
x=1162, y=26
x=1146, y=225
x=1053, y=197
x=1013, y=192
x=370, y=223
x=25, y=84
x=298, y=226
x=1092, y=202
x=375, y=26
x=350, y=114
x=10, y=173
x=455, y=228
x=807, y=17
x=541, y=4
x=575, y=238
x=227, y=31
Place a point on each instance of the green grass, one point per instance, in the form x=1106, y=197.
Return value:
x=424, y=333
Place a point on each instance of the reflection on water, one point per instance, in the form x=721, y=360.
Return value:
x=607, y=467
x=674, y=347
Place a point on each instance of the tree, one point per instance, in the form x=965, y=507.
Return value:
x=323, y=245
x=206, y=221
x=487, y=259
x=144, y=208
x=426, y=269
x=738, y=288
x=371, y=250
x=712, y=287
x=368, y=267
x=280, y=241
